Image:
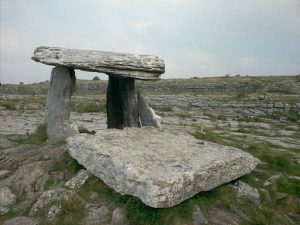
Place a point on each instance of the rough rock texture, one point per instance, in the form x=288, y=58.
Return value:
x=7, y=198
x=29, y=177
x=146, y=114
x=58, y=106
x=272, y=179
x=119, y=217
x=145, y=67
x=21, y=220
x=53, y=212
x=78, y=180
x=47, y=197
x=198, y=217
x=97, y=215
x=220, y=217
x=4, y=173
x=245, y=190
x=161, y=167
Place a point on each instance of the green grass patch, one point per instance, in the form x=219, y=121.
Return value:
x=66, y=162
x=289, y=186
x=208, y=135
x=38, y=137
x=139, y=213
x=73, y=212
x=292, y=115
x=161, y=108
x=86, y=107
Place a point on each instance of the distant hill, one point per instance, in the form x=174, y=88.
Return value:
x=211, y=85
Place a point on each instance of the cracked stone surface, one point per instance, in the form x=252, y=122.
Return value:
x=161, y=167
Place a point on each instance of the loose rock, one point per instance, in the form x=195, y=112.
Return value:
x=4, y=173
x=245, y=190
x=7, y=198
x=78, y=180
x=97, y=215
x=119, y=217
x=198, y=217
x=50, y=196
x=53, y=212
x=272, y=179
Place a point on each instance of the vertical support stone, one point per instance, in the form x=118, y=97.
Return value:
x=58, y=107
x=146, y=114
x=121, y=103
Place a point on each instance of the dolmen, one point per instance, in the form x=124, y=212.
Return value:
x=134, y=156
x=123, y=110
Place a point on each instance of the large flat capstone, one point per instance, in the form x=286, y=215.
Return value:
x=161, y=167
x=144, y=67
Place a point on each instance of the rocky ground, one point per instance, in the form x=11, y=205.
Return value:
x=41, y=184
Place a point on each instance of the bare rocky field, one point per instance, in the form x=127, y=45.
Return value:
x=41, y=184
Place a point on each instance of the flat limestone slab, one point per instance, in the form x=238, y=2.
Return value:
x=161, y=167
x=144, y=67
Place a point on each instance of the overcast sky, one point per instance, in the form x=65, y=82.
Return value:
x=194, y=37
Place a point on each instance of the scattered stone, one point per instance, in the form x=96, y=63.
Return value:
x=93, y=196
x=3, y=210
x=119, y=217
x=132, y=161
x=265, y=195
x=7, y=198
x=272, y=179
x=4, y=173
x=97, y=215
x=286, y=132
x=280, y=195
x=220, y=217
x=22, y=220
x=78, y=180
x=53, y=212
x=5, y=142
x=198, y=217
x=29, y=177
x=294, y=177
x=245, y=190
x=47, y=197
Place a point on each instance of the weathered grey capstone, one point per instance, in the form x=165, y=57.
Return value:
x=144, y=67
x=58, y=106
x=161, y=167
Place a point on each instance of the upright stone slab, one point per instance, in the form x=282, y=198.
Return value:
x=146, y=114
x=121, y=103
x=58, y=106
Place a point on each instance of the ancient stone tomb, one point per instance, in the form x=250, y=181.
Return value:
x=123, y=110
x=162, y=167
